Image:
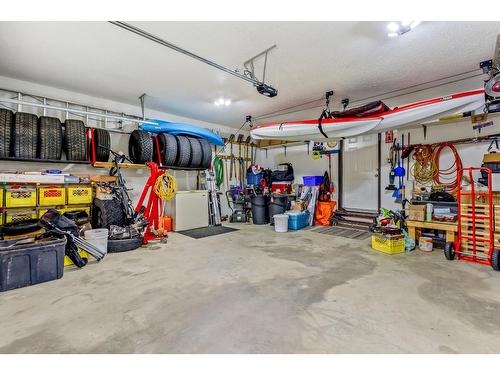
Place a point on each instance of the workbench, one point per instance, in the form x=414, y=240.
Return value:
x=415, y=228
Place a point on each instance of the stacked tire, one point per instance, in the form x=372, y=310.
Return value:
x=182, y=151
x=27, y=136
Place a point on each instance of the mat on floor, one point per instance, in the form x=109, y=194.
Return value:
x=344, y=232
x=206, y=231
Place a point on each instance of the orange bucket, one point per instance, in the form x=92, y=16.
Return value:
x=167, y=223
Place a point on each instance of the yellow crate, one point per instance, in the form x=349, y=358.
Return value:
x=1, y=197
x=79, y=194
x=51, y=196
x=17, y=215
x=76, y=208
x=68, y=262
x=43, y=210
x=1, y=217
x=20, y=197
x=388, y=245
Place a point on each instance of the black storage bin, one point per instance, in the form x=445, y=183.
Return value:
x=31, y=264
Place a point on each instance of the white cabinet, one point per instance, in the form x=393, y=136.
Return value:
x=189, y=210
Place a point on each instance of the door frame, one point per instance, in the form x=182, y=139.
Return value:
x=340, y=168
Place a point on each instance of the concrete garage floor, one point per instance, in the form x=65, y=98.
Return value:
x=255, y=291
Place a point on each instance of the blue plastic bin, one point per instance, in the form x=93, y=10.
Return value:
x=312, y=180
x=298, y=220
x=253, y=179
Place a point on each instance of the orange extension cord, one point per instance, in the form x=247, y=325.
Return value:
x=447, y=177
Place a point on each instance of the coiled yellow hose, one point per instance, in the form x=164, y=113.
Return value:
x=166, y=186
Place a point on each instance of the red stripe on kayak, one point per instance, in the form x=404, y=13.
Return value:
x=379, y=115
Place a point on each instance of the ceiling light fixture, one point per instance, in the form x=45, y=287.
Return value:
x=401, y=27
x=222, y=102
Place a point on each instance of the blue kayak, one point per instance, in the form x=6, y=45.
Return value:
x=176, y=128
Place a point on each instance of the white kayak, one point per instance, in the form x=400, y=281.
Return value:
x=336, y=128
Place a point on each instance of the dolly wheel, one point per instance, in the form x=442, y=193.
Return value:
x=449, y=250
x=495, y=260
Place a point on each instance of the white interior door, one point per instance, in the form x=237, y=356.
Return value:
x=360, y=173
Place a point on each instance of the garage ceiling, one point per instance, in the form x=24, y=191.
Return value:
x=356, y=59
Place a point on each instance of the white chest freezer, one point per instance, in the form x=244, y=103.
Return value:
x=188, y=210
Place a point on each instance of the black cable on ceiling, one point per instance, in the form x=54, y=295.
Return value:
x=378, y=96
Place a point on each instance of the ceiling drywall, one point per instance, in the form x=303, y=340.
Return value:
x=356, y=59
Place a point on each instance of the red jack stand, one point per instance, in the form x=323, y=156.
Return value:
x=154, y=207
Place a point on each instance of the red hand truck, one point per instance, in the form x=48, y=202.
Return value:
x=475, y=242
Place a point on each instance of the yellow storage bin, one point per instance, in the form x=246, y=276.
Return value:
x=43, y=210
x=68, y=262
x=17, y=215
x=1, y=217
x=20, y=197
x=79, y=194
x=388, y=245
x=51, y=196
x=76, y=208
x=1, y=197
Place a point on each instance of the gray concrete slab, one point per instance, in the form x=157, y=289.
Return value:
x=256, y=291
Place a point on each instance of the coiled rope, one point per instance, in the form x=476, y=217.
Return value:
x=424, y=168
x=165, y=186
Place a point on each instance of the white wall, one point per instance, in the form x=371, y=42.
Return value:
x=135, y=178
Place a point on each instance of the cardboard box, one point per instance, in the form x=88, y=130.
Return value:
x=416, y=212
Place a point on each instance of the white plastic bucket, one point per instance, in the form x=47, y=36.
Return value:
x=425, y=244
x=98, y=238
x=281, y=223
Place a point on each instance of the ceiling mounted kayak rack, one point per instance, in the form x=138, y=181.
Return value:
x=261, y=86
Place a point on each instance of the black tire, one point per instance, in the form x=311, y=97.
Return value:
x=6, y=123
x=168, y=149
x=449, y=250
x=140, y=147
x=183, y=151
x=196, y=153
x=75, y=140
x=207, y=153
x=25, y=135
x=495, y=260
x=102, y=144
x=107, y=212
x=120, y=246
x=50, y=138
x=20, y=227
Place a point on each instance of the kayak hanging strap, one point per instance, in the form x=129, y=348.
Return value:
x=325, y=114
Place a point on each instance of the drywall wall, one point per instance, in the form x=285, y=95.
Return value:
x=135, y=178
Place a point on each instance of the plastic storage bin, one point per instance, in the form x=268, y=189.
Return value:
x=31, y=264
x=298, y=220
x=20, y=197
x=20, y=214
x=76, y=208
x=388, y=245
x=51, y=196
x=312, y=180
x=254, y=179
x=79, y=194
x=43, y=210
